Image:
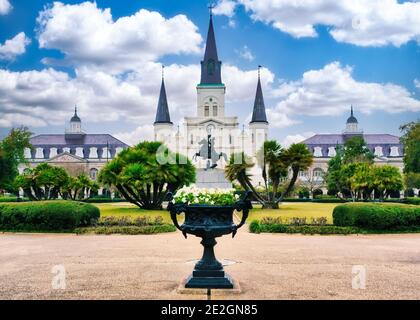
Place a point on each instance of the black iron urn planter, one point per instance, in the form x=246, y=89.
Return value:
x=209, y=222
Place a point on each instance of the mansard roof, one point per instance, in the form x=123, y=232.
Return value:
x=87, y=139
x=332, y=139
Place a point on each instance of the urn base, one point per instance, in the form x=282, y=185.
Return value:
x=209, y=282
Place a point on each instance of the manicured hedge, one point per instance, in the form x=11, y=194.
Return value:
x=47, y=215
x=131, y=230
x=412, y=200
x=258, y=227
x=376, y=215
x=104, y=200
x=13, y=199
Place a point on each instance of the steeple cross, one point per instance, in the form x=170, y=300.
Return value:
x=211, y=7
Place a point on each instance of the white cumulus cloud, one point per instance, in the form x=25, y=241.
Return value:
x=14, y=47
x=141, y=133
x=88, y=35
x=5, y=7
x=225, y=7
x=245, y=53
x=331, y=90
x=295, y=138
x=46, y=97
x=359, y=22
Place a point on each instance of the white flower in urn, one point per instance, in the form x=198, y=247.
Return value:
x=203, y=196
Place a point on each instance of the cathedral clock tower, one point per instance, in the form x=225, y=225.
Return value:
x=211, y=118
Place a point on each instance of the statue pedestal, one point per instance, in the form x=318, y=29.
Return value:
x=212, y=178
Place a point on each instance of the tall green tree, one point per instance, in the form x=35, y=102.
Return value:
x=12, y=153
x=144, y=174
x=360, y=179
x=353, y=151
x=411, y=142
x=386, y=179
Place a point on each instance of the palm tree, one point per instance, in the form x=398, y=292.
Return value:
x=274, y=162
x=236, y=170
x=298, y=158
x=142, y=179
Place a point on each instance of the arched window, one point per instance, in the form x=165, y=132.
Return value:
x=206, y=111
x=93, y=173
x=318, y=173
x=303, y=174
x=215, y=111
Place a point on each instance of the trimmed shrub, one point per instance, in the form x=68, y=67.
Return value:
x=327, y=199
x=104, y=200
x=47, y=215
x=131, y=230
x=296, y=200
x=13, y=199
x=414, y=201
x=257, y=227
x=126, y=221
x=376, y=216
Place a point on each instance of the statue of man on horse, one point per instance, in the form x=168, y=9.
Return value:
x=207, y=151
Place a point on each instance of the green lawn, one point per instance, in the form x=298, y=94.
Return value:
x=128, y=209
x=287, y=210
x=295, y=209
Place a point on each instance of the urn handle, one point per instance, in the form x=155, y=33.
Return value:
x=243, y=205
x=174, y=210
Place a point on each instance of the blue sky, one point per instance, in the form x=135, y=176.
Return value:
x=310, y=75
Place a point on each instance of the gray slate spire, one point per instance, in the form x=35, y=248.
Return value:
x=258, y=115
x=211, y=66
x=352, y=118
x=75, y=118
x=162, y=113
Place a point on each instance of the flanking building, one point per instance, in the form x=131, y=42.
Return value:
x=76, y=151
x=387, y=149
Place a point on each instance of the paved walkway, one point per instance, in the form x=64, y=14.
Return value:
x=268, y=266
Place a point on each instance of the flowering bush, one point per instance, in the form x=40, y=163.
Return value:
x=212, y=196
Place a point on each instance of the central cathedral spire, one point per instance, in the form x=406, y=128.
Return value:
x=211, y=66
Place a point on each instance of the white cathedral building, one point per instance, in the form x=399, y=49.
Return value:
x=212, y=124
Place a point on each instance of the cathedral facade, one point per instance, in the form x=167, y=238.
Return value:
x=211, y=136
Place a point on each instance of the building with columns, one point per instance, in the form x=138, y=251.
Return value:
x=76, y=151
x=211, y=127
x=387, y=149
